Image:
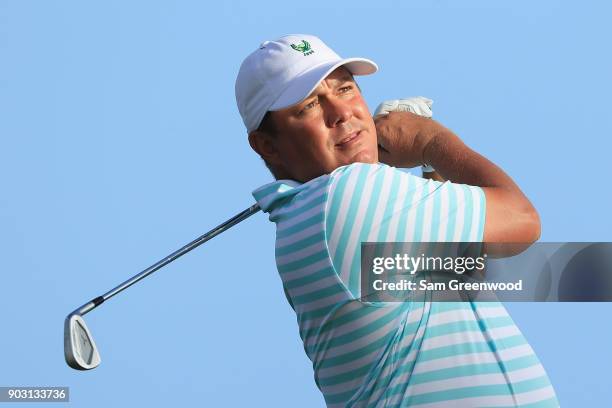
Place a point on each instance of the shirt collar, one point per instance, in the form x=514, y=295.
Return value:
x=272, y=194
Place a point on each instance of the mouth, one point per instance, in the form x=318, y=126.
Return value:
x=349, y=140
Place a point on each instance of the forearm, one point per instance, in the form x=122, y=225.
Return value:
x=455, y=161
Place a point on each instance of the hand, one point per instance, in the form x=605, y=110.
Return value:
x=403, y=136
x=418, y=105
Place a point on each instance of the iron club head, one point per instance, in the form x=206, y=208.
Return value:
x=80, y=349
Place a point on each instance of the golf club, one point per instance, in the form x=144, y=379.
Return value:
x=80, y=349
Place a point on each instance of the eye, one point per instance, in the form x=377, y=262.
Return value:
x=345, y=89
x=309, y=106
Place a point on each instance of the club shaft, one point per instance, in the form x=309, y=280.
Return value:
x=165, y=261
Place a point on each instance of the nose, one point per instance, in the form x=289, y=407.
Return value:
x=338, y=111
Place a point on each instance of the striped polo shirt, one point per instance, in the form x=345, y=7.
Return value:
x=394, y=354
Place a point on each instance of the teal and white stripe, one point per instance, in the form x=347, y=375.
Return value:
x=427, y=354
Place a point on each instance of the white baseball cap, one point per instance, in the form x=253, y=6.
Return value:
x=284, y=72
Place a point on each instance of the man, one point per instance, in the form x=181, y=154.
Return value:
x=306, y=117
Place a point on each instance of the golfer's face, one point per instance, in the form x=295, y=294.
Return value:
x=331, y=128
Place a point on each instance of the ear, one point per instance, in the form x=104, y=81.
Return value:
x=265, y=145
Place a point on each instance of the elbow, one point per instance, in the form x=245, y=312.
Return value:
x=536, y=227
x=511, y=218
x=525, y=230
x=531, y=225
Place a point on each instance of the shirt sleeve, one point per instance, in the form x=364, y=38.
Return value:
x=379, y=203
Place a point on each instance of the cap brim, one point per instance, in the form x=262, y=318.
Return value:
x=302, y=85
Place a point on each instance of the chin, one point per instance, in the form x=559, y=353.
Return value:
x=365, y=157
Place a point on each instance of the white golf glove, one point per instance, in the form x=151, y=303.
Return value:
x=418, y=105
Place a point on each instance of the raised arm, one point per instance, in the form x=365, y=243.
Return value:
x=408, y=140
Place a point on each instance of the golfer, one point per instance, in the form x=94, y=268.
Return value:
x=337, y=185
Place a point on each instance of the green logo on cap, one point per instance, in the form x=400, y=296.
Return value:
x=303, y=47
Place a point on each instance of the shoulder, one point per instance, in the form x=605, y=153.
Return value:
x=360, y=167
x=358, y=178
x=364, y=171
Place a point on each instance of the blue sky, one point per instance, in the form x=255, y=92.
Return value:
x=120, y=141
